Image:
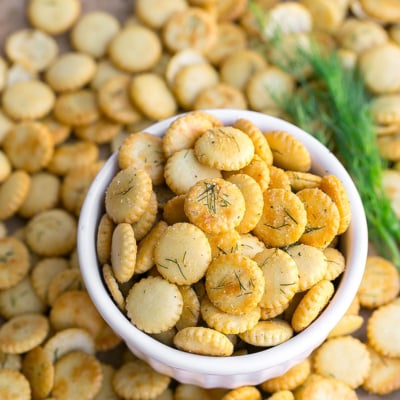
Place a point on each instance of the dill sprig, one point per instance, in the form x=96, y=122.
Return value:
x=337, y=112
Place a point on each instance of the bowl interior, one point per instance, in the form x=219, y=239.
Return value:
x=354, y=244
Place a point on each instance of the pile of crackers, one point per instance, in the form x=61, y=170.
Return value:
x=62, y=113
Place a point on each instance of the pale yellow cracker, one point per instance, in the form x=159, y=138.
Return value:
x=261, y=146
x=20, y=299
x=239, y=67
x=220, y=95
x=105, y=70
x=345, y=358
x=250, y=245
x=184, y=131
x=389, y=146
x=55, y=17
x=190, y=80
x=323, y=217
x=11, y=361
x=231, y=38
x=183, y=170
x=74, y=308
x=234, y=283
x=190, y=28
x=191, y=308
x=379, y=66
x=318, y=387
x=147, y=219
x=282, y=395
x=334, y=188
x=106, y=391
x=135, y=49
x=258, y=169
x=29, y=146
x=268, y=87
x=383, y=340
x=136, y=380
x=380, y=283
x=310, y=306
x=253, y=198
x=287, y=18
x=384, y=374
x=145, y=248
x=152, y=97
x=173, y=210
x=154, y=316
x=100, y=131
x=43, y=272
x=23, y=333
x=268, y=313
x=302, y=180
x=67, y=340
x=155, y=13
x=14, y=262
x=201, y=340
x=243, y=393
x=114, y=100
x=384, y=109
x=290, y=380
x=228, y=323
x=183, y=254
x=123, y=252
x=19, y=73
x=278, y=179
x=215, y=205
x=103, y=239
x=43, y=194
x=112, y=286
x=288, y=152
x=106, y=339
x=77, y=108
x=39, y=370
x=128, y=195
x=347, y=325
x=180, y=59
x=186, y=391
x=144, y=151
x=281, y=276
x=5, y=166
x=28, y=100
x=225, y=148
x=326, y=15
x=268, y=333
x=3, y=72
x=52, y=232
x=13, y=192
x=359, y=35
x=32, y=48
x=224, y=243
x=75, y=185
x=390, y=182
x=283, y=220
x=336, y=263
x=68, y=279
x=70, y=71
x=93, y=32
x=5, y=124
x=72, y=154
x=77, y=375
x=384, y=11
x=14, y=385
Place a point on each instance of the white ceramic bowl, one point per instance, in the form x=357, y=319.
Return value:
x=233, y=371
